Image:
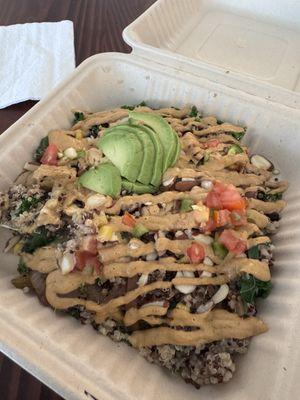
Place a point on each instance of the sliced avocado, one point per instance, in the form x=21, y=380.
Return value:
x=104, y=179
x=163, y=130
x=178, y=150
x=146, y=171
x=137, y=187
x=158, y=150
x=125, y=151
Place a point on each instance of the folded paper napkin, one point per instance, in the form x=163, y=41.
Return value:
x=34, y=58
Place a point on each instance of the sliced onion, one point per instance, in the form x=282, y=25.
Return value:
x=261, y=162
x=208, y=261
x=142, y=280
x=155, y=304
x=206, y=274
x=221, y=294
x=205, y=307
x=205, y=239
x=95, y=201
x=67, y=263
x=169, y=181
x=206, y=185
x=185, y=289
x=151, y=256
x=187, y=179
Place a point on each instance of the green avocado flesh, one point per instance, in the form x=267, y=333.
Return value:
x=124, y=150
x=146, y=171
x=137, y=187
x=104, y=179
x=163, y=130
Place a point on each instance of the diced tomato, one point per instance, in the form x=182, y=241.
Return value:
x=89, y=243
x=213, y=200
x=196, y=253
x=221, y=217
x=85, y=258
x=231, y=242
x=238, y=218
x=224, y=196
x=211, y=143
x=50, y=155
x=128, y=220
x=210, y=226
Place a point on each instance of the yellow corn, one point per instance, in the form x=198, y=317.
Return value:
x=17, y=248
x=78, y=134
x=105, y=233
x=100, y=220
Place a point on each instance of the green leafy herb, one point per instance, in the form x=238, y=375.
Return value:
x=139, y=230
x=219, y=249
x=131, y=108
x=198, y=119
x=193, y=112
x=83, y=289
x=235, y=149
x=74, y=312
x=93, y=131
x=99, y=281
x=80, y=153
x=26, y=205
x=186, y=205
x=206, y=157
x=126, y=107
x=251, y=288
x=22, y=267
x=41, y=237
x=269, y=197
x=253, y=252
x=220, y=122
x=78, y=116
x=38, y=154
x=238, y=135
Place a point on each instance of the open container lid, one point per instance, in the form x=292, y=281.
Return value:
x=253, y=46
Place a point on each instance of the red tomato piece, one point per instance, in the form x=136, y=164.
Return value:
x=238, y=218
x=221, y=217
x=213, y=200
x=232, y=200
x=85, y=259
x=211, y=143
x=231, y=242
x=196, y=253
x=50, y=155
x=89, y=243
x=209, y=226
x=128, y=220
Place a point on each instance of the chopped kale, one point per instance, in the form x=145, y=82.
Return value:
x=131, y=108
x=253, y=252
x=26, y=204
x=251, y=288
x=126, y=107
x=40, y=237
x=238, y=135
x=38, y=154
x=220, y=122
x=22, y=267
x=206, y=157
x=78, y=116
x=93, y=131
x=74, y=312
x=269, y=197
x=193, y=112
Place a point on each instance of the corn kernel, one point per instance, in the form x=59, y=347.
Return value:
x=78, y=134
x=105, y=233
x=100, y=220
x=17, y=248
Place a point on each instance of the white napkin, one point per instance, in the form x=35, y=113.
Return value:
x=34, y=58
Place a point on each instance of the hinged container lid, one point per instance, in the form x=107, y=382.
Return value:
x=253, y=45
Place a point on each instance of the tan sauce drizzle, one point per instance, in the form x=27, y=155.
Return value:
x=213, y=325
x=218, y=129
x=166, y=197
x=108, y=254
x=42, y=260
x=257, y=241
x=267, y=207
x=64, y=141
x=218, y=164
x=135, y=314
x=257, y=218
x=171, y=222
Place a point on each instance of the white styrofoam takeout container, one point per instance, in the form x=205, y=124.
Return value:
x=73, y=359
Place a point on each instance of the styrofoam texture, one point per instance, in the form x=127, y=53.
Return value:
x=74, y=359
x=249, y=45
